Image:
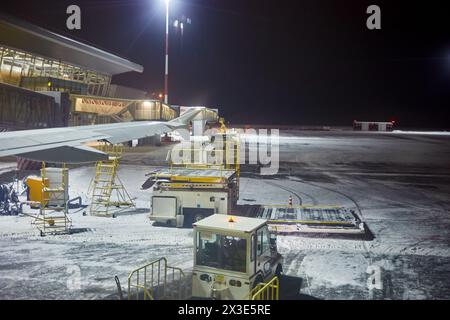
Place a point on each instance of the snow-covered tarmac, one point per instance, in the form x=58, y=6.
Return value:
x=401, y=183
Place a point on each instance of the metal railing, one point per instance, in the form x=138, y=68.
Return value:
x=157, y=280
x=228, y=156
x=266, y=291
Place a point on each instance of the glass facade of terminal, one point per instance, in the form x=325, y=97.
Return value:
x=42, y=74
x=88, y=98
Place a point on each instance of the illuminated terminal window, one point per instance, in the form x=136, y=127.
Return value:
x=19, y=68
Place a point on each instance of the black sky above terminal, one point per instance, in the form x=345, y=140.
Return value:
x=310, y=62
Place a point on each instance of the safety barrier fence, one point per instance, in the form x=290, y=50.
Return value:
x=157, y=281
x=266, y=291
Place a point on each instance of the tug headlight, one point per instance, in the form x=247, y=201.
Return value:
x=205, y=277
x=235, y=283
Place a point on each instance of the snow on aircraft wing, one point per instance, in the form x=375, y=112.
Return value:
x=66, y=144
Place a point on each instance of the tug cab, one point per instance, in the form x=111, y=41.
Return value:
x=232, y=257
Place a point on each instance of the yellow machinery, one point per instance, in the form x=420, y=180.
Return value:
x=228, y=147
x=109, y=196
x=35, y=190
x=182, y=196
x=232, y=147
x=203, y=179
x=53, y=216
x=230, y=143
x=223, y=128
x=221, y=151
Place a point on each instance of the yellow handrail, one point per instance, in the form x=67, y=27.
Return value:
x=266, y=291
x=106, y=184
x=229, y=156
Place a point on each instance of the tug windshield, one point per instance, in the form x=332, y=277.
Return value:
x=221, y=252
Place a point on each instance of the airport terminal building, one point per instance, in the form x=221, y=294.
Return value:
x=49, y=80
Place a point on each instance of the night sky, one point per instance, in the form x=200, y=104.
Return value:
x=277, y=62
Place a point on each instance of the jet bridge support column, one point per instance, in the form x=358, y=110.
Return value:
x=198, y=127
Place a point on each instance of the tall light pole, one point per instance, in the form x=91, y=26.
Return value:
x=166, y=74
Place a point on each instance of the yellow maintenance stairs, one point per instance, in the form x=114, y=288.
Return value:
x=109, y=195
x=53, y=219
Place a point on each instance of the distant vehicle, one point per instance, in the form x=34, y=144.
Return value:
x=373, y=126
x=232, y=256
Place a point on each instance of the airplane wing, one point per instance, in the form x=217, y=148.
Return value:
x=66, y=144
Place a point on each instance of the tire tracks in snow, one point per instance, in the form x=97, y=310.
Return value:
x=296, y=193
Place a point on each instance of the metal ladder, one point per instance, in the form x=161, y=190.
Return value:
x=109, y=195
x=53, y=219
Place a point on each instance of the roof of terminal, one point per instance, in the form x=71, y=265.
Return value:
x=34, y=39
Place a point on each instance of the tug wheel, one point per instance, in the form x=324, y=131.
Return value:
x=171, y=223
x=258, y=280
x=279, y=271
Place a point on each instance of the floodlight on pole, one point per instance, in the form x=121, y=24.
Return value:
x=166, y=74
